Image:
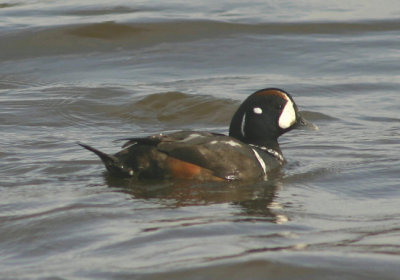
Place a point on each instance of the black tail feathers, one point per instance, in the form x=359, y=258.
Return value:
x=111, y=162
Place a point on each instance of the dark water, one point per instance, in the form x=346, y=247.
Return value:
x=92, y=71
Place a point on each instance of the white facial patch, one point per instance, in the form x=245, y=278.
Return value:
x=257, y=110
x=288, y=115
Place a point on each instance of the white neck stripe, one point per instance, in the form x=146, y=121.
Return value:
x=260, y=161
x=242, y=125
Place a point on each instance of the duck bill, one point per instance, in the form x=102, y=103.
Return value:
x=302, y=123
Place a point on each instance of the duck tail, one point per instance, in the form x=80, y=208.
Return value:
x=112, y=163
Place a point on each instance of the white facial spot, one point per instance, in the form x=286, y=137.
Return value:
x=257, y=110
x=288, y=115
x=232, y=143
x=242, y=125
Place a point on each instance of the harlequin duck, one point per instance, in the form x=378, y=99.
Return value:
x=249, y=152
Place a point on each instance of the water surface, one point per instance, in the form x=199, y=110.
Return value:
x=94, y=72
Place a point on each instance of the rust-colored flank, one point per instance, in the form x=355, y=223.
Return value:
x=180, y=169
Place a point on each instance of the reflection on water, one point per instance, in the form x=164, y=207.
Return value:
x=255, y=199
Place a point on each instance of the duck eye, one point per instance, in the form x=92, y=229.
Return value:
x=257, y=110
